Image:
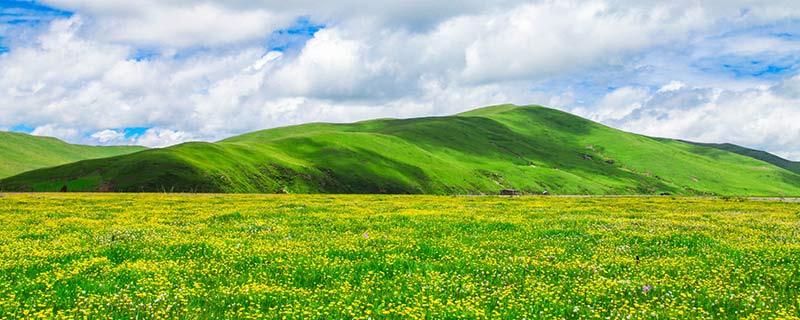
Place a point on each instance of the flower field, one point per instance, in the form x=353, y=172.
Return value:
x=110, y=256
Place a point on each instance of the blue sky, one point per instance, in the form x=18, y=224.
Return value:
x=163, y=72
x=28, y=13
x=293, y=37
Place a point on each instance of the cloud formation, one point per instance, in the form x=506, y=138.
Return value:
x=761, y=116
x=714, y=71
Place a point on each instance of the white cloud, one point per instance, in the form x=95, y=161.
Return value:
x=789, y=87
x=158, y=137
x=546, y=39
x=616, y=105
x=211, y=75
x=174, y=23
x=673, y=85
x=53, y=130
x=329, y=65
x=763, y=117
x=214, y=22
x=267, y=58
x=108, y=136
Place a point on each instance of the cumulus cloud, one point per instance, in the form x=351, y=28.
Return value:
x=108, y=136
x=328, y=65
x=615, y=106
x=548, y=39
x=173, y=23
x=53, y=130
x=671, y=69
x=159, y=137
x=762, y=117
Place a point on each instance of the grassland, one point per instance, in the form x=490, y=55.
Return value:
x=529, y=148
x=104, y=256
x=792, y=166
x=21, y=152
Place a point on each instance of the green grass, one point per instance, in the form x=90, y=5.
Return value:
x=21, y=152
x=530, y=148
x=124, y=256
x=792, y=166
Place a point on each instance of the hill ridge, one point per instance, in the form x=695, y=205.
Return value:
x=792, y=166
x=529, y=148
x=21, y=152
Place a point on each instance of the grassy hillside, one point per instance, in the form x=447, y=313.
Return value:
x=527, y=148
x=757, y=154
x=21, y=152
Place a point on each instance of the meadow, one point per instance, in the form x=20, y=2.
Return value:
x=110, y=256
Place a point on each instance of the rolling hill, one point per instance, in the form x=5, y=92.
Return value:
x=21, y=152
x=529, y=148
x=792, y=166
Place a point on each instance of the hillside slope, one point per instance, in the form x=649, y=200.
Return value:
x=528, y=148
x=21, y=152
x=792, y=166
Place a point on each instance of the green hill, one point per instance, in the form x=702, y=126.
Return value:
x=757, y=154
x=21, y=152
x=530, y=148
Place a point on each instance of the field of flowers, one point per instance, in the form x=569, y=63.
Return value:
x=110, y=256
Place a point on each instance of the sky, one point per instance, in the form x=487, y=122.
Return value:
x=162, y=72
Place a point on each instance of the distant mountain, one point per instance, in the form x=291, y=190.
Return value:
x=21, y=152
x=531, y=149
x=756, y=154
